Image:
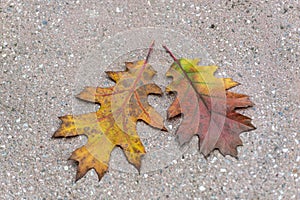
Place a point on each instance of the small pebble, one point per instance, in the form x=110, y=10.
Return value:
x=202, y=188
x=44, y=22
x=223, y=170
x=285, y=150
x=25, y=125
x=118, y=10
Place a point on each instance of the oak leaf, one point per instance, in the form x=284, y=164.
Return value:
x=208, y=108
x=114, y=124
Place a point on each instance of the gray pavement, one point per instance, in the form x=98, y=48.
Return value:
x=48, y=51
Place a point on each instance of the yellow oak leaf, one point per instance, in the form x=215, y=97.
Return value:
x=114, y=124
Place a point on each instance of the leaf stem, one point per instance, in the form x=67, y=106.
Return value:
x=149, y=51
x=169, y=52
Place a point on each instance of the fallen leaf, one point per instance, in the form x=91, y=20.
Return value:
x=208, y=108
x=114, y=124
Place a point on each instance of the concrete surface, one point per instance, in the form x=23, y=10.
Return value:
x=45, y=45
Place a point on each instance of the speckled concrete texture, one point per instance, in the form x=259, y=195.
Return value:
x=45, y=43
